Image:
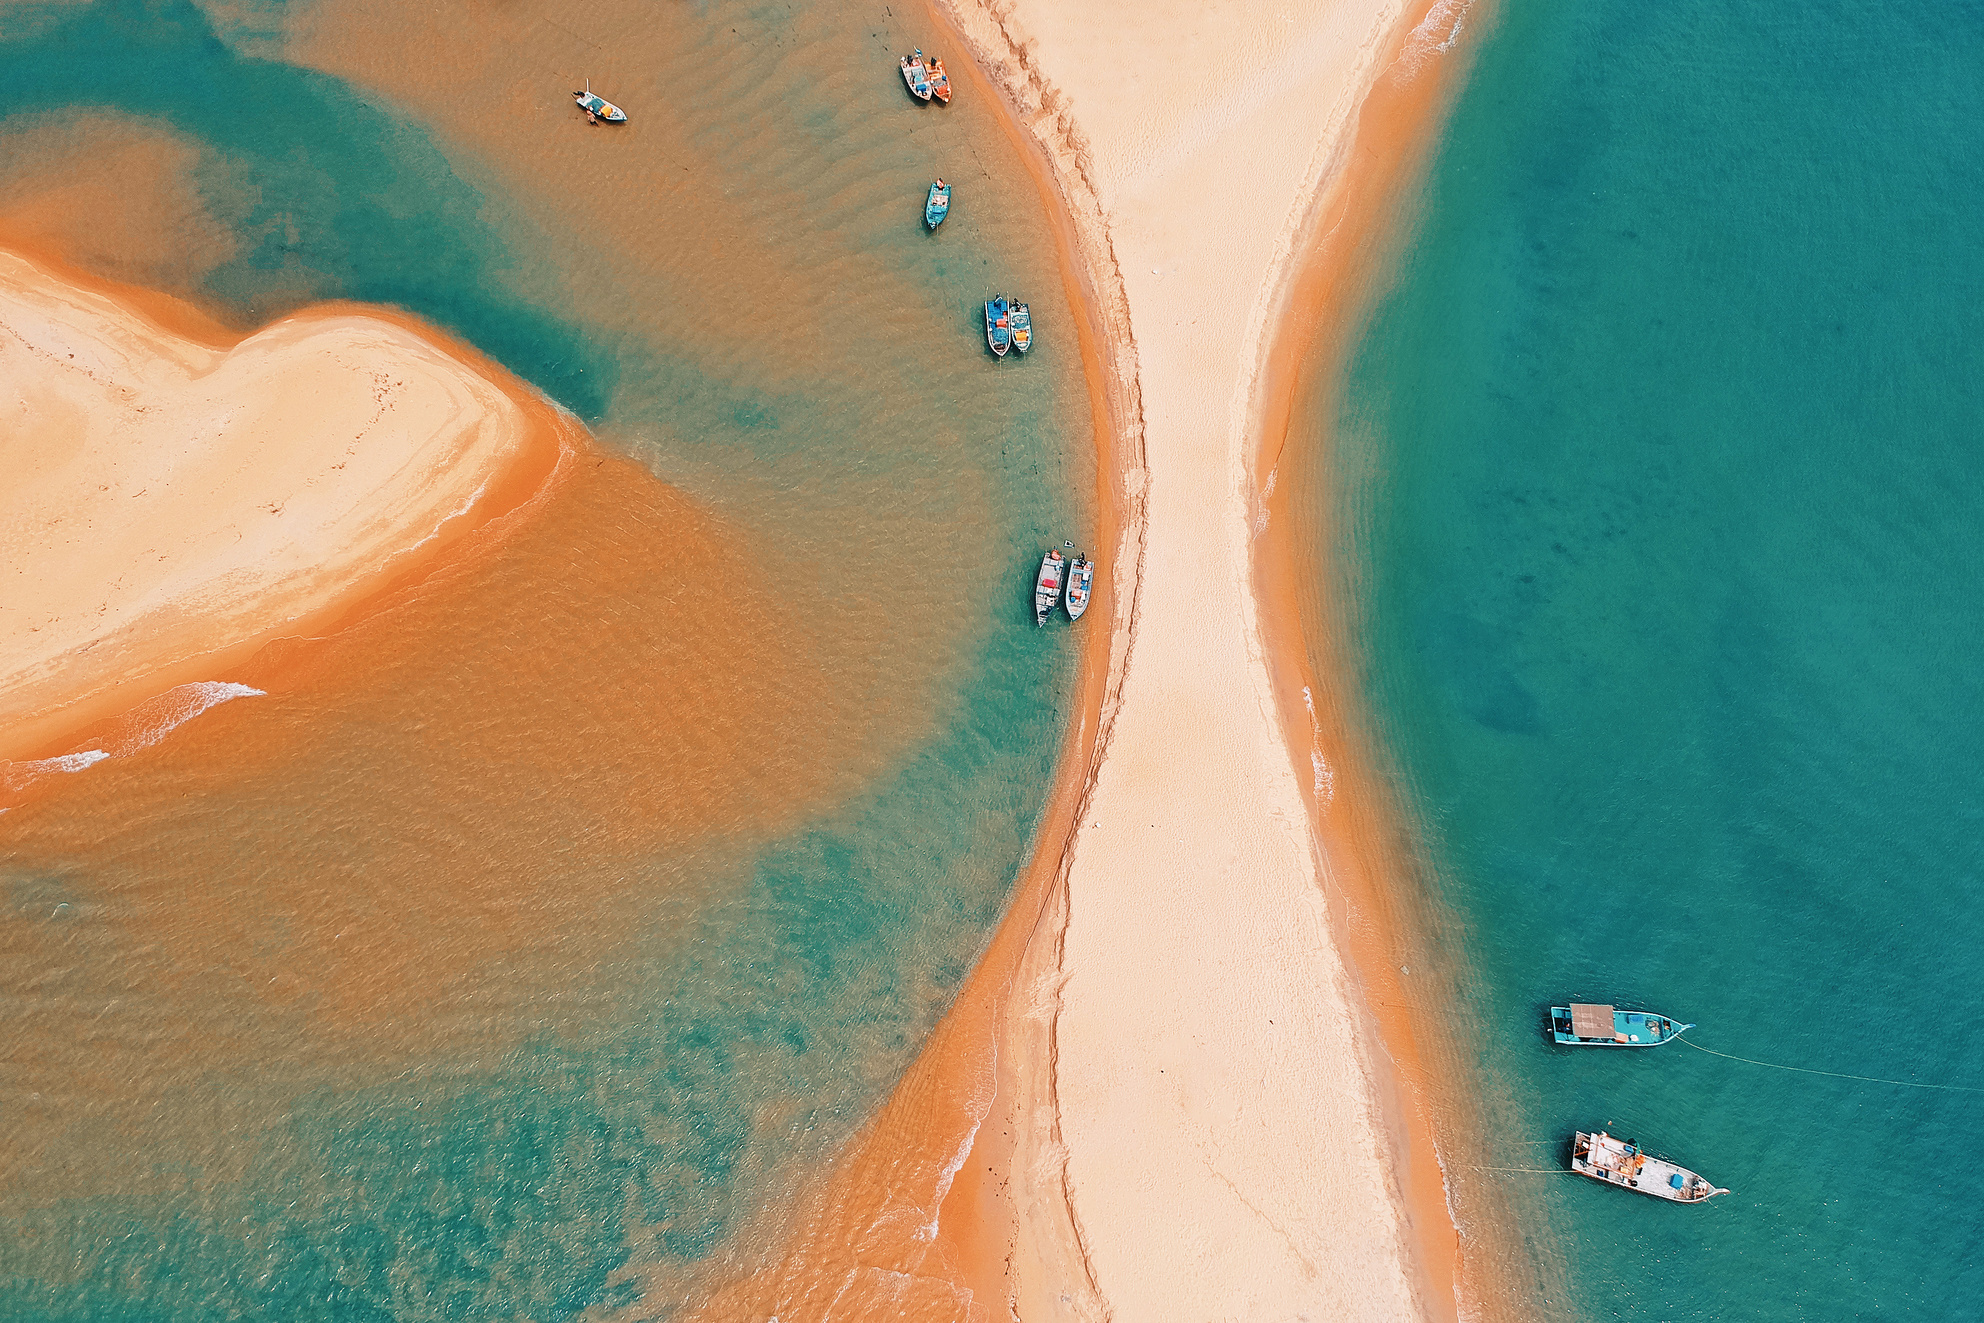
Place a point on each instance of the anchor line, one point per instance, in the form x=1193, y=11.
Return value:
x=1541, y=1171
x=1807, y=1070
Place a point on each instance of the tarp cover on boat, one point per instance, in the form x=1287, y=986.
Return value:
x=1588, y=1021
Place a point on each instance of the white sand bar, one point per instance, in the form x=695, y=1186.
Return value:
x=1224, y=1156
x=162, y=500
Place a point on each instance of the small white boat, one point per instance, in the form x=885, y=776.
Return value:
x=598, y=108
x=1047, y=586
x=1625, y=1164
x=1081, y=575
x=916, y=76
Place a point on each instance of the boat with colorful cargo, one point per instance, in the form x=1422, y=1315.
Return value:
x=1081, y=576
x=598, y=108
x=937, y=205
x=1022, y=319
x=1047, y=586
x=1624, y=1163
x=916, y=76
x=940, y=81
x=998, y=324
x=1587, y=1024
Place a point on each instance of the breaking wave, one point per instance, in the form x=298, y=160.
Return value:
x=140, y=728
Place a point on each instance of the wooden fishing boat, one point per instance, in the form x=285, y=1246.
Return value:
x=1047, y=587
x=940, y=82
x=1081, y=576
x=598, y=108
x=938, y=206
x=1624, y=1163
x=1584, y=1024
x=1022, y=320
x=916, y=76
x=998, y=324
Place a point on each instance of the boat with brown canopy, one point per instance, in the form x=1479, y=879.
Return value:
x=1589, y=1024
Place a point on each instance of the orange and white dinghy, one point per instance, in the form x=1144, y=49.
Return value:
x=940, y=82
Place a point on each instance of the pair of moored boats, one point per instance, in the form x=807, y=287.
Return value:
x=1062, y=584
x=1598, y=1155
x=926, y=77
x=1008, y=325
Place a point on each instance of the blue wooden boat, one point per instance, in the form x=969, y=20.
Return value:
x=938, y=206
x=1585, y=1024
x=598, y=108
x=1022, y=321
x=999, y=324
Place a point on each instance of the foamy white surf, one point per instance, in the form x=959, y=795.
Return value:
x=1325, y=775
x=155, y=718
x=141, y=727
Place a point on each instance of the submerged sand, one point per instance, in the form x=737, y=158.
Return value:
x=1164, y=1093
x=1192, y=1113
x=170, y=499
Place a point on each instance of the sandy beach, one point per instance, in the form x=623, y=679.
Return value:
x=1196, y=1090
x=176, y=499
x=1164, y=1093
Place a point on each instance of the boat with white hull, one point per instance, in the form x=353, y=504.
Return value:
x=1623, y=1163
x=1047, y=586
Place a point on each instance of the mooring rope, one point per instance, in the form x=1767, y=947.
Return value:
x=1807, y=1070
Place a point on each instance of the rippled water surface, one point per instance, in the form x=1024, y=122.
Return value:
x=544, y=931
x=1655, y=476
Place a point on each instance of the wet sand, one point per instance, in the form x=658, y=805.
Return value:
x=1357, y=230
x=914, y=1218
x=1164, y=1093
x=178, y=499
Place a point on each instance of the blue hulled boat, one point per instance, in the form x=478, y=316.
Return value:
x=1584, y=1024
x=938, y=206
x=999, y=324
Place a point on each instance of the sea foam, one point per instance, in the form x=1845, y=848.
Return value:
x=140, y=728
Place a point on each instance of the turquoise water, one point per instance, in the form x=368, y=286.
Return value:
x=588, y=1108
x=1668, y=525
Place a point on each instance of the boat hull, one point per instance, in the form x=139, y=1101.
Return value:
x=1047, y=586
x=915, y=79
x=937, y=207
x=605, y=110
x=1081, y=581
x=998, y=327
x=1629, y=1028
x=1611, y=1162
x=1021, y=320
